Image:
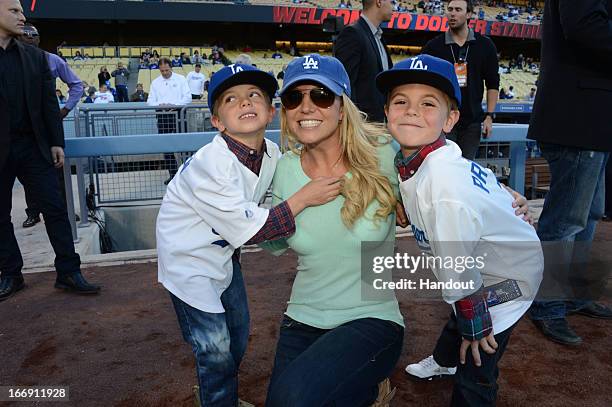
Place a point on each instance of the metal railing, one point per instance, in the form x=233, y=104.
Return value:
x=122, y=178
x=81, y=151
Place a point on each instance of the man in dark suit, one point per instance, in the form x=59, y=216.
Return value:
x=363, y=53
x=571, y=122
x=32, y=141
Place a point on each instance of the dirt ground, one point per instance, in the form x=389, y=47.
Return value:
x=123, y=347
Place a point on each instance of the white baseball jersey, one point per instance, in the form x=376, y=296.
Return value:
x=104, y=97
x=210, y=209
x=456, y=206
x=171, y=91
x=196, y=81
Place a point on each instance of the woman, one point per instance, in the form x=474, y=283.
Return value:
x=103, y=77
x=334, y=347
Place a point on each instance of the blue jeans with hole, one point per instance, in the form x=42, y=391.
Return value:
x=572, y=208
x=333, y=367
x=218, y=342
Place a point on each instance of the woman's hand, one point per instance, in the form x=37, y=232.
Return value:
x=317, y=192
x=521, y=205
x=401, y=219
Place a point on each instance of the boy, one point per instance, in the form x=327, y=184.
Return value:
x=211, y=209
x=457, y=208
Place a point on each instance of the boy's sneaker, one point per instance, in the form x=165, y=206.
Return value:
x=428, y=369
x=385, y=394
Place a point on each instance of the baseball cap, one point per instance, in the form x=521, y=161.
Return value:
x=238, y=74
x=327, y=71
x=424, y=69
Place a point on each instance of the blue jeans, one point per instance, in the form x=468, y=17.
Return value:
x=571, y=210
x=333, y=367
x=218, y=342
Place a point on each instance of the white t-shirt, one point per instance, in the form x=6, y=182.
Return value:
x=210, y=209
x=104, y=97
x=196, y=82
x=172, y=91
x=451, y=199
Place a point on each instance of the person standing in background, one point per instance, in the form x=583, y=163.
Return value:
x=363, y=52
x=103, y=77
x=196, y=80
x=33, y=146
x=121, y=75
x=476, y=65
x=59, y=69
x=168, y=91
x=571, y=123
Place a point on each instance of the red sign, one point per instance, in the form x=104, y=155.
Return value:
x=404, y=21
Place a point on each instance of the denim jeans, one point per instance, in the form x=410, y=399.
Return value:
x=333, y=367
x=218, y=342
x=467, y=138
x=39, y=179
x=571, y=210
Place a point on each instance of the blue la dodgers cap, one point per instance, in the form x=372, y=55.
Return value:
x=327, y=71
x=239, y=74
x=424, y=69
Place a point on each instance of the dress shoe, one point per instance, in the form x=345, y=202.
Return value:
x=558, y=331
x=595, y=310
x=31, y=221
x=75, y=282
x=9, y=286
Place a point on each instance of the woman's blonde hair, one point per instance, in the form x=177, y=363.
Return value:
x=359, y=141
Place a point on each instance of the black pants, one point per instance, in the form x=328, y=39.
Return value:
x=40, y=180
x=122, y=93
x=33, y=209
x=166, y=123
x=467, y=136
x=474, y=386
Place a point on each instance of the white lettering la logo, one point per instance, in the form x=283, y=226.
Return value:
x=310, y=63
x=417, y=64
x=235, y=69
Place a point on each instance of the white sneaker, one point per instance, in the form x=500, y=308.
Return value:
x=428, y=369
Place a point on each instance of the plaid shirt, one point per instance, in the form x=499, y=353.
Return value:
x=473, y=317
x=408, y=166
x=280, y=222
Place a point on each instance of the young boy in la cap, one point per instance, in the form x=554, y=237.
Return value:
x=458, y=208
x=210, y=209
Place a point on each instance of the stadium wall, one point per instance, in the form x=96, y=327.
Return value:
x=207, y=12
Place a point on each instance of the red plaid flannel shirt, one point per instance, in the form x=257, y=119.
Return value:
x=280, y=222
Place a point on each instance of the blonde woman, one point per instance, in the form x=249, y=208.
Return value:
x=334, y=347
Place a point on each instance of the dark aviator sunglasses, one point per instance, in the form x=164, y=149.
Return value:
x=321, y=97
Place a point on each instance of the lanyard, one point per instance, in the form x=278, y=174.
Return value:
x=466, y=53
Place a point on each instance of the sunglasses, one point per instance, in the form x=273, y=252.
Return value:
x=321, y=97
